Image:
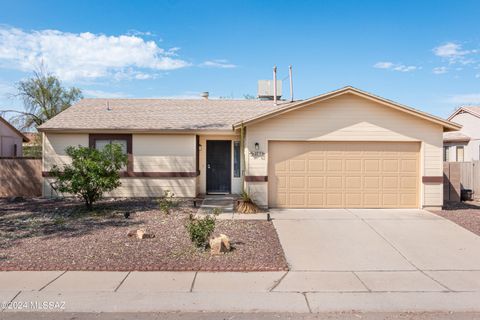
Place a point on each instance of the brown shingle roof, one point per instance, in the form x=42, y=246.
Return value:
x=157, y=114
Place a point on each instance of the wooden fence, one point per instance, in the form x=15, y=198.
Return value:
x=459, y=176
x=20, y=177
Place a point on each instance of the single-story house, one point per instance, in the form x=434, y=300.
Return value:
x=10, y=140
x=342, y=149
x=463, y=145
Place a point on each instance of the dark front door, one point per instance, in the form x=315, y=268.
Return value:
x=219, y=162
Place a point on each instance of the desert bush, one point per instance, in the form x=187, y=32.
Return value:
x=167, y=202
x=246, y=204
x=91, y=173
x=200, y=230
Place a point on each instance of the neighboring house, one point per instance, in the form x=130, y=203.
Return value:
x=346, y=148
x=10, y=140
x=463, y=145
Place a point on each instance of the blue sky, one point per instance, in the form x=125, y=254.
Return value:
x=425, y=54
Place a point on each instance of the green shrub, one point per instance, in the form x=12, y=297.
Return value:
x=216, y=211
x=200, y=230
x=167, y=202
x=91, y=173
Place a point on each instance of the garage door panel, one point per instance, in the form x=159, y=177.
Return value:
x=334, y=200
x=371, y=200
x=316, y=183
x=390, y=165
x=316, y=165
x=408, y=183
x=390, y=182
x=281, y=182
x=335, y=182
x=297, y=199
x=353, y=200
x=353, y=182
x=344, y=174
x=390, y=200
x=371, y=183
x=353, y=165
x=372, y=165
x=297, y=165
x=334, y=165
x=315, y=199
x=297, y=182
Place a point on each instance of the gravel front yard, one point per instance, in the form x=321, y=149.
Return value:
x=465, y=214
x=44, y=234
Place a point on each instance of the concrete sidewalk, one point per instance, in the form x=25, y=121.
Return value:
x=298, y=292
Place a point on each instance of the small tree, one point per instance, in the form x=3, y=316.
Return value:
x=91, y=173
x=43, y=97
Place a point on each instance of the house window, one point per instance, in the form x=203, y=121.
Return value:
x=460, y=157
x=446, y=153
x=99, y=141
x=102, y=143
x=236, y=159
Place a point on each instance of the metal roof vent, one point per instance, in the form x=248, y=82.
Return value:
x=204, y=95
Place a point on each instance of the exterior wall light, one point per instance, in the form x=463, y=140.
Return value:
x=257, y=146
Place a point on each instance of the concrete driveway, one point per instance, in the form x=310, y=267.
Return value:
x=385, y=250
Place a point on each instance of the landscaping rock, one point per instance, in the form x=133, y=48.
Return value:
x=219, y=245
x=140, y=234
x=143, y=234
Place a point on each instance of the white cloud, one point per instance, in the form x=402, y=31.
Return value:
x=454, y=53
x=383, y=65
x=470, y=98
x=103, y=94
x=394, y=66
x=76, y=56
x=450, y=50
x=219, y=63
x=133, y=32
x=440, y=70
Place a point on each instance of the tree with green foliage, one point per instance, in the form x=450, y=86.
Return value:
x=91, y=173
x=43, y=98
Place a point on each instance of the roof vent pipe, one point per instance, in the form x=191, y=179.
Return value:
x=291, y=82
x=275, y=85
x=204, y=95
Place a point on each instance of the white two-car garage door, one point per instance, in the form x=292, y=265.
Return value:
x=343, y=174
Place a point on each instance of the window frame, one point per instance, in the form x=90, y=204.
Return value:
x=463, y=153
x=237, y=172
x=92, y=140
x=446, y=153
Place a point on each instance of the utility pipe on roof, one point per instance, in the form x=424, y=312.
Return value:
x=275, y=85
x=291, y=82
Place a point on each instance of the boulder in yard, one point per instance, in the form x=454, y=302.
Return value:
x=144, y=234
x=219, y=245
x=140, y=234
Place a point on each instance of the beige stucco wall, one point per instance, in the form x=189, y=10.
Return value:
x=8, y=138
x=151, y=153
x=202, y=178
x=348, y=118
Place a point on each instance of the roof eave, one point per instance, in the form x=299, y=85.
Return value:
x=135, y=130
